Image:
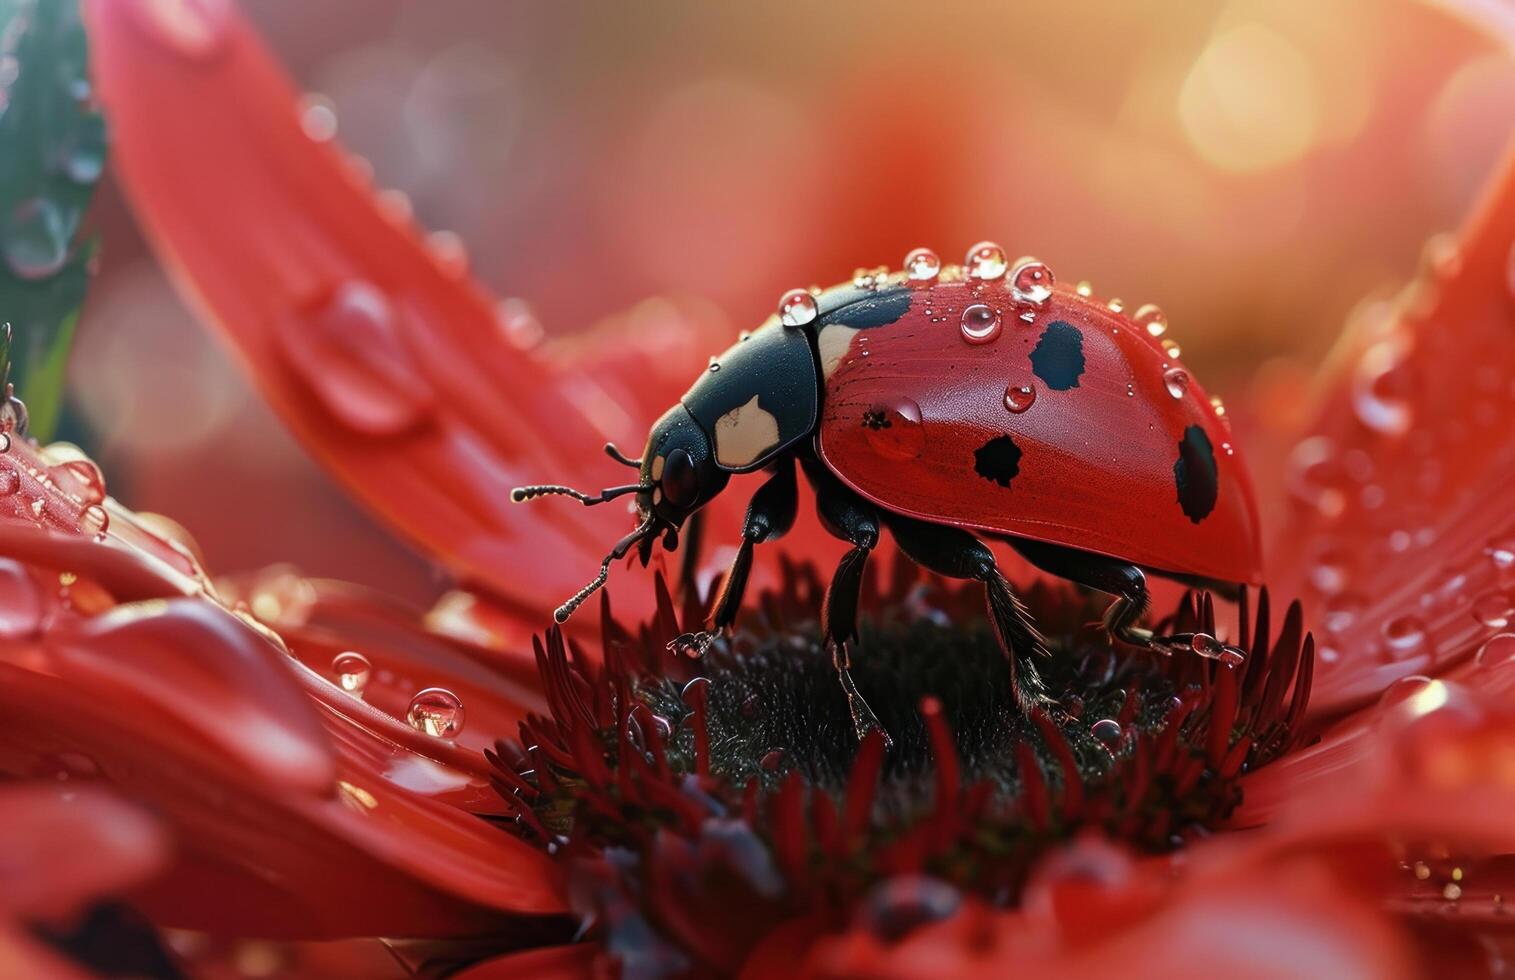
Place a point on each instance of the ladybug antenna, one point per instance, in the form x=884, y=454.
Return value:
x=521, y=494
x=620, y=457
x=647, y=529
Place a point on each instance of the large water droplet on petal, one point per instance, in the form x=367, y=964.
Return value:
x=1107, y=730
x=1403, y=636
x=82, y=478
x=923, y=265
x=797, y=308
x=94, y=520
x=980, y=324
x=894, y=430
x=348, y=351
x=191, y=28
x=1494, y=610
x=1152, y=318
x=35, y=239
x=1403, y=689
x=1031, y=282
x=1498, y=650
x=352, y=671
x=986, y=260
x=1018, y=398
x=436, y=712
x=1176, y=380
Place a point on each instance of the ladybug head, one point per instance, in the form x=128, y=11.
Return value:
x=678, y=476
x=678, y=470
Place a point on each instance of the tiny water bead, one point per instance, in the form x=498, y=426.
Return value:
x=1107, y=730
x=1501, y=552
x=94, y=520
x=1499, y=649
x=1152, y=318
x=437, y=712
x=894, y=429
x=34, y=240
x=1031, y=282
x=797, y=308
x=1218, y=406
x=318, y=118
x=1171, y=348
x=980, y=324
x=923, y=265
x=449, y=251
x=1494, y=610
x=986, y=260
x=1018, y=398
x=352, y=671
x=1211, y=648
x=1176, y=380
x=1403, y=635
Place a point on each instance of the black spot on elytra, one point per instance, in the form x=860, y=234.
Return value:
x=876, y=309
x=1059, y=356
x=998, y=460
x=1195, y=473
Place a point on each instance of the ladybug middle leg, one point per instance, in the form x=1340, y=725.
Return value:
x=955, y=553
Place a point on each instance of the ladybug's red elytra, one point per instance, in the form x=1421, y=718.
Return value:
x=950, y=406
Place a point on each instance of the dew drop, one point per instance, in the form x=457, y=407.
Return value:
x=1107, y=730
x=894, y=429
x=1218, y=406
x=1152, y=318
x=1403, y=689
x=519, y=323
x=1381, y=387
x=1085, y=288
x=1502, y=553
x=352, y=671
x=82, y=477
x=1207, y=646
x=1018, y=398
x=1342, y=611
x=980, y=324
x=1031, y=282
x=1176, y=380
x=318, y=118
x=797, y=308
x=449, y=252
x=10, y=482
x=191, y=28
x=35, y=239
x=1499, y=649
x=437, y=712
x=923, y=265
x=1404, y=635
x=1494, y=610
x=94, y=520
x=986, y=260
x=1171, y=348
x=5, y=442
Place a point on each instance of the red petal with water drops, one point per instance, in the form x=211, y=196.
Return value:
x=1402, y=540
x=379, y=353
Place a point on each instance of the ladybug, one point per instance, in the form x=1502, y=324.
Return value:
x=950, y=406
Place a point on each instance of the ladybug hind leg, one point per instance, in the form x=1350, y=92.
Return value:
x=955, y=553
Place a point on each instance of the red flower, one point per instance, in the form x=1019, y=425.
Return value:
x=595, y=804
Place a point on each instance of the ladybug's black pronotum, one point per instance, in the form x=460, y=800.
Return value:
x=952, y=406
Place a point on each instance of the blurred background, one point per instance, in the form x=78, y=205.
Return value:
x=1256, y=167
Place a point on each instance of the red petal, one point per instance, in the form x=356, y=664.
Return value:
x=1406, y=487
x=386, y=361
x=552, y=963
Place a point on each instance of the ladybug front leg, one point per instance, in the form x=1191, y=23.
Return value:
x=849, y=517
x=955, y=553
x=770, y=515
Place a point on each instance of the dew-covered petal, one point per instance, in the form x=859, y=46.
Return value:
x=1404, y=489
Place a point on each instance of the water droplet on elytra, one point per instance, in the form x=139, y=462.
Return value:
x=1152, y=318
x=34, y=240
x=797, y=308
x=923, y=265
x=1176, y=380
x=980, y=324
x=437, y=712
x=1494, y=609
x=352, y=671
x=986, y=260
x=1497, y=650
x=1107, y=730
x=1018, y=398
x=894, y=429
x=1031, y=282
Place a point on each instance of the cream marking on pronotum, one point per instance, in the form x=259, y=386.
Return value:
x=745, y=433
x=833, y=343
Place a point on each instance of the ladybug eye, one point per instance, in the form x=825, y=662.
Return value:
x=681, y=484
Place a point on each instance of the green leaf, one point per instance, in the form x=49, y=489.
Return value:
x=52, y=153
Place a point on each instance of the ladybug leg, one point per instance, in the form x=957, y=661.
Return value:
x=770, y=515
x=852, y=519
x=957, y=554
x=1102, y=574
